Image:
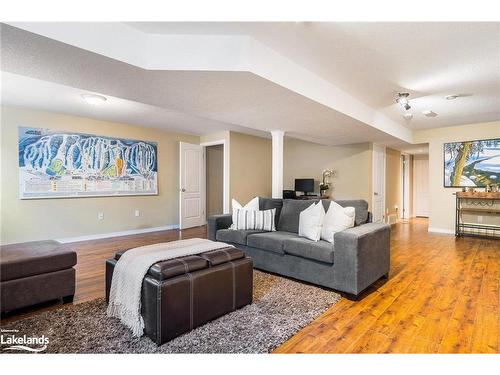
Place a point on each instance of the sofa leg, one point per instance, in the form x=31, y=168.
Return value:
x=386, y=276
x=68, y=299
x=351, y=297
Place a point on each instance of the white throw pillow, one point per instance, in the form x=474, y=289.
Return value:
x=259, y=220
x=253, y=205
x=337, y=219
x=311, y=221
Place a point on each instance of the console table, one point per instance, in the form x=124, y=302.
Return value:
x=479, y=204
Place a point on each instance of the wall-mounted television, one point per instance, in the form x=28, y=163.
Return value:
x=472, y=163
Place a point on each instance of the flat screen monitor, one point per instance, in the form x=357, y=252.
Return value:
x=305, y=185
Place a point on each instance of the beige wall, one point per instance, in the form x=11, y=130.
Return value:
x=442, y=200
x=215, y=175
x=392, y=181
x=352, y=163
x=28, y=220
x=250, y=167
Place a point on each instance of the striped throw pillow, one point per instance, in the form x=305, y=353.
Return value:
x=260, y=220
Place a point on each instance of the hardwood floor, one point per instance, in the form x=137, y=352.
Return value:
x=442, y=296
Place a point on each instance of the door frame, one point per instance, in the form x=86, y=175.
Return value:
x=225, y=168
x=383, y=148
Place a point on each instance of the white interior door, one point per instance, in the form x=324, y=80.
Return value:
x=421, y=185
x=192, y=185
x=378, y=201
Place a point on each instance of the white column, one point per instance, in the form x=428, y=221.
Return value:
x=278, y=136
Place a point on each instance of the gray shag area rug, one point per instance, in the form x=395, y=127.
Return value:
x=281, y=307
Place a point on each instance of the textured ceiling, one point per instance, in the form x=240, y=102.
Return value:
x=224, y=99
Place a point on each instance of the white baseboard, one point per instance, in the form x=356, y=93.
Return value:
x=441, y=230
x=116, y=234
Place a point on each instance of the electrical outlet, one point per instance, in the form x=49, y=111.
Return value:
x=100, y=216
x=137, y=213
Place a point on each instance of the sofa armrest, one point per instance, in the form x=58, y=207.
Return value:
x=216, y=222
x=361, y=256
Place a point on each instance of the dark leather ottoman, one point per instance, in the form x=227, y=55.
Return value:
x=181, y=294
x=35, y=272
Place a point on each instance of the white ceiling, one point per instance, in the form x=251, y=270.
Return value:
x=373, y=61
x=369, y=61
x=226, y=100
x=22, y=91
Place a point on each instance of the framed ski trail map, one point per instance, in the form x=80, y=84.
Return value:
x=62, y=164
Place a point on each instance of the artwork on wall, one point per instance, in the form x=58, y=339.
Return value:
x=61, y=164
x=472, y=163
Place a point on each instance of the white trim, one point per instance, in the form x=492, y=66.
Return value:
x=441, y=230
x=225, y=182
x=117, y=234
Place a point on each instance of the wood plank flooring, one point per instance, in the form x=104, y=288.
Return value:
x=442, y=296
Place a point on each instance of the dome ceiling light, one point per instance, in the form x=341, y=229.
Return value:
x=94, y=99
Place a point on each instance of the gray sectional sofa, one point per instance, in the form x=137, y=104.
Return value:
x=358, y=257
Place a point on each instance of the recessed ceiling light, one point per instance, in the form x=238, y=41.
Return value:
x=408, y=116
x=451, y=97
x=94, y=99
x=429, y=113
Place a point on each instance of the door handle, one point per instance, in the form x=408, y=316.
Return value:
x=375, y=193
x=183, y=190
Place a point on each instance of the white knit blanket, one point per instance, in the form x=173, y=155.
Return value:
x=133, y=265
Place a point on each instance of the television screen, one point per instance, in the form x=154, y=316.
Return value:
x=305, y=185
x=472, y=163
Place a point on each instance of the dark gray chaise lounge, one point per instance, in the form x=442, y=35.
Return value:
x=359, y=256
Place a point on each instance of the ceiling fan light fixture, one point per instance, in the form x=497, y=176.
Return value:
x=402, y=100
x=408, y=116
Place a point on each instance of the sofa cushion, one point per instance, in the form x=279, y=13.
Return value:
x=34, y=258
x=311, y=221
x=361, y=209
x=270, y=203
x=337, y=219
x=271, y=241
x=321, y=251
x=289, y=218
x=238, y=236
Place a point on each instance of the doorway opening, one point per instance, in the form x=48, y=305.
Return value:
x=406, y=187
x=214, y=167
